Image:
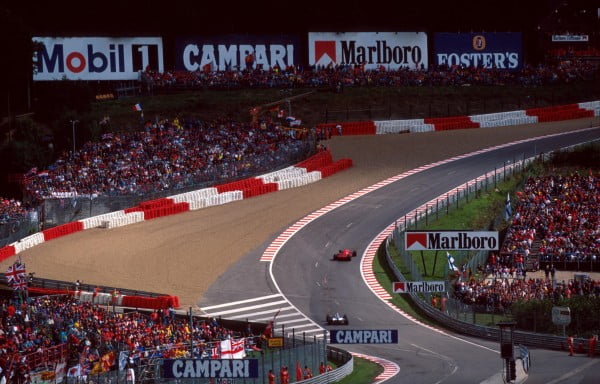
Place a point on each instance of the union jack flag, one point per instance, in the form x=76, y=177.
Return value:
x=16, y=273
x=20, y=285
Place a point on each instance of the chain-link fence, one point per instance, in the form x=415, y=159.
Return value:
x=469, y=260
x=15, y=229
x=58, y=211
x=304, y=352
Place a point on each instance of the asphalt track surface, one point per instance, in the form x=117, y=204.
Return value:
x=305, y=274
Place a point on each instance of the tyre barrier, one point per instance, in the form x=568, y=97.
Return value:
x=490, y=120
x=239, y=185
x=283, y=174
x=120, y=221
x=348, y=128
x=28, y=242
x=308, y=178
x=97, y=221
x=593, y=106
x=6, y=252
x=317, y=161
x=194, y=195
x=62, y=230
x=335, y=167
x=166, y=210
x=260, y=189
x=561, y=112
x=403, y=126
x=450, y=123
x=157, y=203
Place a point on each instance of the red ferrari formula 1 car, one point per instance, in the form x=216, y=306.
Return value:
x=344, y=255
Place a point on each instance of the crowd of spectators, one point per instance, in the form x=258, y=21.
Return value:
x=563, y=72
x=498, y=294
x=169, y=155
x=90, y=331
x=11, y=210
x=563, y=213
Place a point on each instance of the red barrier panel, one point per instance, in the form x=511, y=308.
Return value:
x=133, y=209
x=151, y=204
x=317, y=161
x=62, y=230
x=239, y=185
x=6, y=252
x=166, y=210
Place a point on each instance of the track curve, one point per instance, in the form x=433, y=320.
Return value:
x=316, y=285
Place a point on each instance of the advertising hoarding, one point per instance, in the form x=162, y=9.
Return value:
x=229, y=52
x=419, y=286
x=502, y=50
x=363, y=336
x=96, y=58
x=210, y=368
x=391, y=50
x=451, y=240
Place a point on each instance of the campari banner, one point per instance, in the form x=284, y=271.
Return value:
x=96, y=58
x=501, y=50
x=390, y=50
x=229, y=52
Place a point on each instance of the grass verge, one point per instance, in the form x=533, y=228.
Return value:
x=364, y=372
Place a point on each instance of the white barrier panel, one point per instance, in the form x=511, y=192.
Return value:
x=28, y=242
x=96, y=221
x=500, y=116
x=194, y=195
x=509, y=121
x=397, y=126
x=422, y=128
x=283, y=174
x=119, y=221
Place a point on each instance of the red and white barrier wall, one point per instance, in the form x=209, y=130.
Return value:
x=502, y=119
x=308, y=171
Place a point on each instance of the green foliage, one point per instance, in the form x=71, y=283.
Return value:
x=364, y=372
x=536, y=315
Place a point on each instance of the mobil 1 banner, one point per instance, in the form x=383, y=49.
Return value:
x=390, y=50
x=502, y=50
x=96, y=58
x=233, y=52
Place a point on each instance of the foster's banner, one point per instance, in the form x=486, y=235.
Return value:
x=392, y=50
x=501, y=50
x=451, y=240
x=96, y=58
x=229, y=52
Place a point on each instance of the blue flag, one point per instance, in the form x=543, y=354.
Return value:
x=508, y=209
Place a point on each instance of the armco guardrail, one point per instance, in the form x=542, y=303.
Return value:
x=529, y=339
x=337, y=374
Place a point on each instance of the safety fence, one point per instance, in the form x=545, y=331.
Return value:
x=15, y=229
x=500, y=119
x=60, y=210
x=456, y=315
x=294, y=354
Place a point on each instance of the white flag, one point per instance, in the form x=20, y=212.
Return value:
x=451, y=265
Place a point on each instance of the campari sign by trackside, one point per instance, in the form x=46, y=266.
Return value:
x=363, y=336
x=451, y=240
x=96, y=58
x=210, y=368
x=390, y=50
